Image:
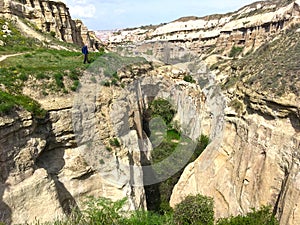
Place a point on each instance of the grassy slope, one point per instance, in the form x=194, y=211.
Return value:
x=40, y=67
x=273, y=69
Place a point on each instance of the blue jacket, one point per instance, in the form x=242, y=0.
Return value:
x=85, y=50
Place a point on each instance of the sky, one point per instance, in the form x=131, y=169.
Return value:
x=118, y=14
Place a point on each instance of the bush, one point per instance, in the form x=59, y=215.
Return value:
x=103, y=211
x=76, y=84
x=146, y=217
x=237, y=106
x=235, y=51
x=59, y=80
x=194, y=210
x=114, y=142
x=263, y=216
x=202, y=143
x=162, y=108
x=52, y=33
x=189, y=78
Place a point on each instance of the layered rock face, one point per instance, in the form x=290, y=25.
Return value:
x=46, y=171
x=49, y=165
x=253, y=157
x=248, y=28
x=94, y=143
x=48, y=16
x=254, y=162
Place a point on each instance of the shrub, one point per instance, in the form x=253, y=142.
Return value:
x=103, y=211
x=105, y=83
x=114, y=82
x=114, y=142
x=146, y=217
x=262, y=216
x=237, y=106
x=194, y=210
x=59, y=80
x=162, y=108
x=166, y=147
x=76, y=84
x=235, y=51
x=52, y=33
x=202, y=143
x=189, y=78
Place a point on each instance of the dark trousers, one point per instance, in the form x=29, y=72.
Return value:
x=86, y=58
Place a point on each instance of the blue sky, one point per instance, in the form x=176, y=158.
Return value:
x=116, y=14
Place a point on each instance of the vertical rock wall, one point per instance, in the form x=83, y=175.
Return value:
x=50, y=16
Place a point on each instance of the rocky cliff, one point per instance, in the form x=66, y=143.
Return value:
x=253, y=157
x=48, y=16
x=248, y=28
x=50, y=165
x=245, y=98
x=92, y=143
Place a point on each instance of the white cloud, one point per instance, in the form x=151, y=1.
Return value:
x=83, y=11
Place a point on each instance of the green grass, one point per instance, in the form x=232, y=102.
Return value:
x=15, y=42
x=273, y=69
x=166, y=147
x=194, y=210
x=51, y=68
x=167, y=155
x=262, y=216
x=111, y=63
x=235, y=51
x=9, y=101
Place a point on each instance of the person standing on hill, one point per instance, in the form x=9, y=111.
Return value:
x=85, y=51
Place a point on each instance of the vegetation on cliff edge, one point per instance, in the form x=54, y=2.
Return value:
x=193, y=210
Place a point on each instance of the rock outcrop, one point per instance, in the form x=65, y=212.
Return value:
x=94, y=143
x=255, y=162
x=248, y=28
x=48, y=16
x=253, y=158
x=46, y=171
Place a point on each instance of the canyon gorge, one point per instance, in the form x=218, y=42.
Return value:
x=242, y=93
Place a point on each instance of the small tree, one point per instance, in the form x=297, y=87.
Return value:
x=195, y=210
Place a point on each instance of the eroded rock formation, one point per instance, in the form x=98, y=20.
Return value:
x=254, y=163
x=248, y=28
x=94, y=143
x=49, y=16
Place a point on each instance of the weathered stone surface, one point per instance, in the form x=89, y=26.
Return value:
x=252, y=160
x=255, y=163
x=249, y=28
x=50, y=17
x=33, y=198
